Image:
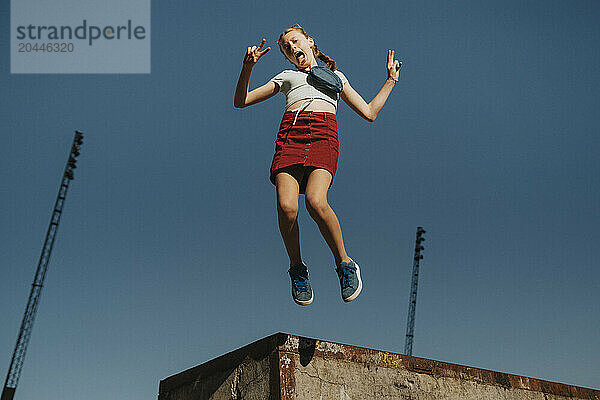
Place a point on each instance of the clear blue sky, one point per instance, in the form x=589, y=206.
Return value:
x=168, y=253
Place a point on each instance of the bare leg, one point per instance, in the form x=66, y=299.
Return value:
x=320, y=211
x=287, y=213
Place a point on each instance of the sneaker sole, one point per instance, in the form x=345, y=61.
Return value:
x=306, y=302
x=357, y=292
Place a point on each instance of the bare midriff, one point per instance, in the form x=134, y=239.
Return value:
x=315, y=105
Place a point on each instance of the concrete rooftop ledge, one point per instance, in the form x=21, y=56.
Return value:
x=286, y=367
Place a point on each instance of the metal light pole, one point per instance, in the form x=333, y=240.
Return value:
x=16, y=363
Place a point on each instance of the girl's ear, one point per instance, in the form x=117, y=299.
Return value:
x=311, y=41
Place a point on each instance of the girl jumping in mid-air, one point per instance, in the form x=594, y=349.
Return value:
x=306, y=148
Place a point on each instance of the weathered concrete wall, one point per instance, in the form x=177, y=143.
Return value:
x=249, y=373
x=286, y=367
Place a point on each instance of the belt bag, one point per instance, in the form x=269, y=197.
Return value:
x=325, y=80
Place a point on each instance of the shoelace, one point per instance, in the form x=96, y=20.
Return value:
x=300, y=277
x=301, y=283
x=345, y=274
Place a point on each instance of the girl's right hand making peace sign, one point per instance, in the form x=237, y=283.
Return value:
x=254, y=53
x=393, y=66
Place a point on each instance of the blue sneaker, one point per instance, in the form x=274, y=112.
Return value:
x=301, y=291
x=350, y=282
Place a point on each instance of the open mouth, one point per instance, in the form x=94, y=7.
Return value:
x=299, y=56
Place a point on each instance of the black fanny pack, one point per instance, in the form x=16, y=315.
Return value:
x=324, y=80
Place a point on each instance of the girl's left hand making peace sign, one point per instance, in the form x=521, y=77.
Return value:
x=393, y=66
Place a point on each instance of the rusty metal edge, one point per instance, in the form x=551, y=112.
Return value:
x=287, y=378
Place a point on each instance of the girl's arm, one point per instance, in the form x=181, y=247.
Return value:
x=360, y=106
x=242, y=97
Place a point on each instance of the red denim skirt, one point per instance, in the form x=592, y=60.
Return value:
x=312, y=141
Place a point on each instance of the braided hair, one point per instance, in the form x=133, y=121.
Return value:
x=316, y=52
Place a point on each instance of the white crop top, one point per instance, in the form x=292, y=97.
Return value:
x=295, y=87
